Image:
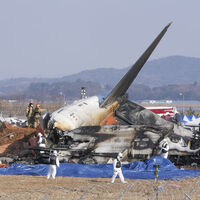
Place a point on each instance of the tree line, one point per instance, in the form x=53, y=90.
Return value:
x=58, y=92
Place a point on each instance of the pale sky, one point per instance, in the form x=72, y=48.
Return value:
x=55, y=38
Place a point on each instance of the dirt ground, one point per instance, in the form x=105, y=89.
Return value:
x=38, y=187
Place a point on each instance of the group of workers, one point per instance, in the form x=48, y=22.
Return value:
x=117, y=165
x=33, y=115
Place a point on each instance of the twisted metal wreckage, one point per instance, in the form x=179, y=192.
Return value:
x=94, y=131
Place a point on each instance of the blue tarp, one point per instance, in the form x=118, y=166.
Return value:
x=189, y=118
x=135, y=170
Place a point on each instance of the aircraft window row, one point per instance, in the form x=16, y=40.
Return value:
x=73, y=115
x=82, y=104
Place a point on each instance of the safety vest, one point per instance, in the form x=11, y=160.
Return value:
x=42, y=141
x=164, y=151
x=164, y=148
x=118, y=164
x=53, y=160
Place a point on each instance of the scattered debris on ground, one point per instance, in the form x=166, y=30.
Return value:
x=13, y=139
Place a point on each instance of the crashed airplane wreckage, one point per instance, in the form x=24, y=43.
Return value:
x=91, y=131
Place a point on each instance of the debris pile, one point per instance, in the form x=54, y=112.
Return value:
x=13, y=139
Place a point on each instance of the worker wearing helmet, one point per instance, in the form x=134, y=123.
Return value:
x=53, y=163
x=41, y=141
x=164, y=149
x=36, y=115
x=29, y=113
x=117, y=169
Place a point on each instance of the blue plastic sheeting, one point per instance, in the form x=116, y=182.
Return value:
x=189, y=118
x=135, y=170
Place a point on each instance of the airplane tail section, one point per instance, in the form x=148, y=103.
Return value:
x=123, y=85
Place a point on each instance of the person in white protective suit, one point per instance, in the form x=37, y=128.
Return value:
x=54, y=162
x=117, y=169
x=164, y=149
x=41, y=141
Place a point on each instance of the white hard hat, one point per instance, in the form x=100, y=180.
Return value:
x=39, y=134
x=55, y=153
x=120, y=154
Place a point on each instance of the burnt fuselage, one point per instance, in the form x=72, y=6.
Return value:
x=83, y=132
x=138, y=134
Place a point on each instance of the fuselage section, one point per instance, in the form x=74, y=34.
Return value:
x=84, y=112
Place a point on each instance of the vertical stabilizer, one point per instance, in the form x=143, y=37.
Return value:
x=123, y=85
